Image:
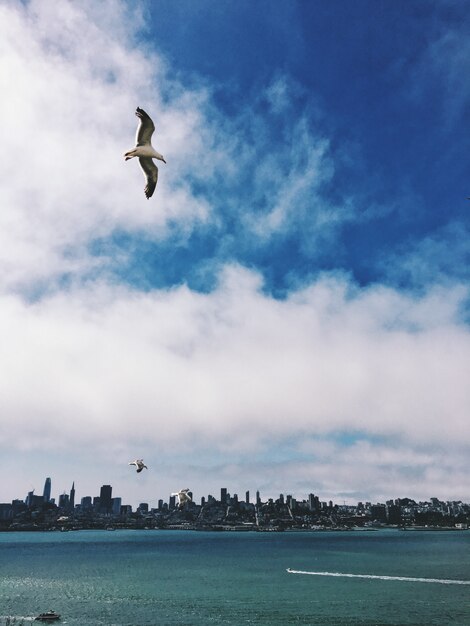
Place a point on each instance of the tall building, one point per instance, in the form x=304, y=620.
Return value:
x=86, y=503
x=313, y=502
x=29, y=498
x=223, y=495
x=258, y=499
x=105, y=498
x=46, y=494
x=32, y=500
x=247, y=497
x=64, y=501
x=72, y=496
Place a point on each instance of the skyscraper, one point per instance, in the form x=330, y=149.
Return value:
x=47, y=490
x=223, y=495
x=105, y=498
x=86, y=503
x=72, y=496
x=64, y=501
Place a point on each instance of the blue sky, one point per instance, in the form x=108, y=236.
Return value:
x=371, y=81
x=290, y=309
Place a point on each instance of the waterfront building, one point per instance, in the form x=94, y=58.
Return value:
x=258, y=498
x=223, y=495
x=116, y=504
x=160, y=505
x=247, y=497
x=172, y=502
x=393, y=514
x=46, y=494
x=379, y=512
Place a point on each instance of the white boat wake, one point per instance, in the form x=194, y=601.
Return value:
x=441, y=581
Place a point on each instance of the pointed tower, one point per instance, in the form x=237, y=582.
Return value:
x=72, y=496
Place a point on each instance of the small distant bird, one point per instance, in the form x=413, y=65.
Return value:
x=139, y=463
x=145, y=151
x=183, y=497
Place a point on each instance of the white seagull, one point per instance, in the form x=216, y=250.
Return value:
x=145, y=151
x=139, y=463
x=183, y=496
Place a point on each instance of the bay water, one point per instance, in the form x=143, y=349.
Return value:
x=161, y=577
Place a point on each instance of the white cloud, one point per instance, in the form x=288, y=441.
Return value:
x=235, y=372
x=71, y=87
x=234, y=362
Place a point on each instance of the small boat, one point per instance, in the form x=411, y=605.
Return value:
x=49, y=616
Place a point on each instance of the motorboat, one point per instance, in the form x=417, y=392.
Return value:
x=49, y=616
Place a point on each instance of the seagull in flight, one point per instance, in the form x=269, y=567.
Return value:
x=183, y=497
x=139, y=463
x=145, y=151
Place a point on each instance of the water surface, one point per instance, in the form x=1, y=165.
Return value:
x=140, y=578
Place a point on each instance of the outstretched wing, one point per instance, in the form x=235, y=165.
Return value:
x=144, y=129
x=151, y=174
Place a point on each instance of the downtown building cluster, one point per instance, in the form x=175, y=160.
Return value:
x=228, y=512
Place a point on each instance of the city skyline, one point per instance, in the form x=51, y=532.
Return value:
x=291, y=307
x=225, y=511
x=66, y=499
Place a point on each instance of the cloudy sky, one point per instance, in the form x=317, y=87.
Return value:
x=290, y=310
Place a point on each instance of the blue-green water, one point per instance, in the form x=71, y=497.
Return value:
x=141, y=578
